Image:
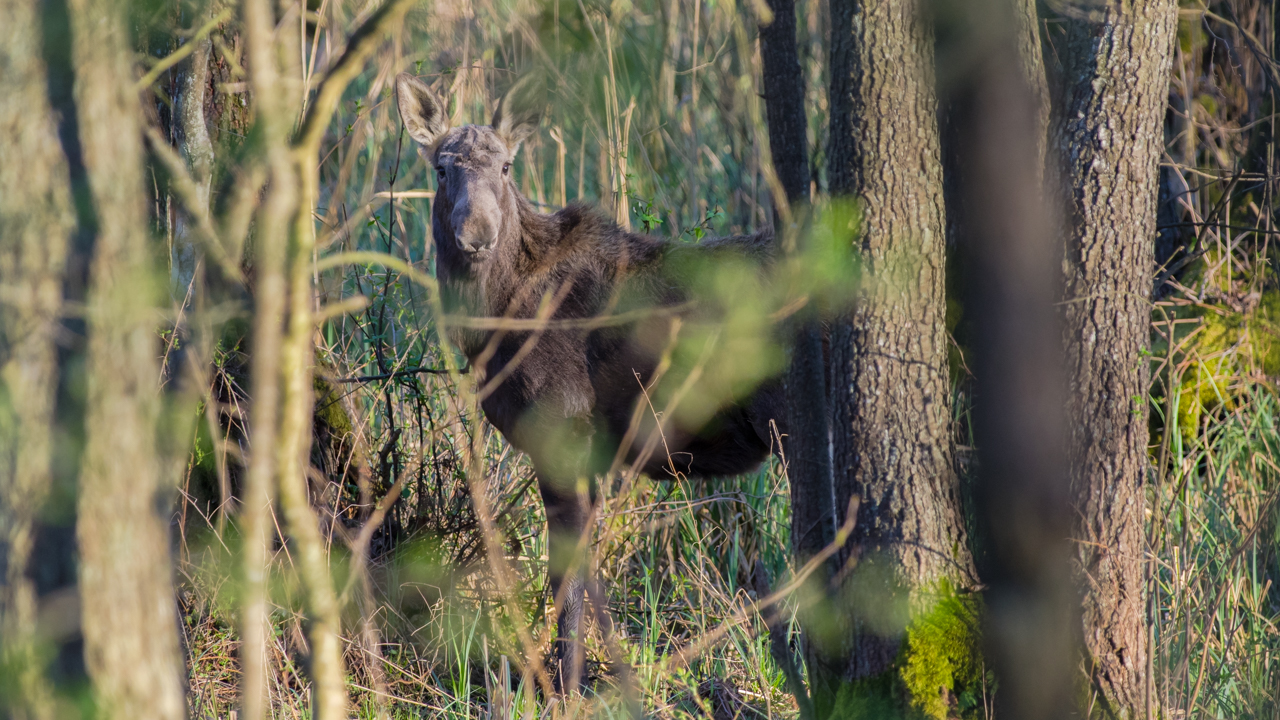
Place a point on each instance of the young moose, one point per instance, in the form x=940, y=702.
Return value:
x=568, y=394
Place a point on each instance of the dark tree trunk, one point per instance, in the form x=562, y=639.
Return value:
x=995, y=91
x=784, y=100
x=807, y=446
x=1106, y=139
x=892, y=394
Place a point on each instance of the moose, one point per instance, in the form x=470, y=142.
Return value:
x=567, y=395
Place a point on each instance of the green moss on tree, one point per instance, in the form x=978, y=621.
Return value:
x=939, y=672
x=330, y=411
x=941, y=664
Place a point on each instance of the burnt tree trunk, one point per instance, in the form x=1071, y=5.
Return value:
x=891, y=391
x=807, y=446
x=36, y=222
x=1106, y=139
x=129, y=612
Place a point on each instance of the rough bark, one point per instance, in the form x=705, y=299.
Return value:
x=35, y=224
x=891, y=392
x=1030, y=54
x=807, y=446
x=784, y=100
x=130, y=619
x=1106, y=139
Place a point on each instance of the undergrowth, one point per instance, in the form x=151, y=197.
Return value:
x=428, y=631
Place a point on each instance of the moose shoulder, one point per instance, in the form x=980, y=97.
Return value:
x=585, y=391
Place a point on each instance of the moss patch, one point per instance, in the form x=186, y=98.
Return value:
x=941, y=660
x=330, y=411
x=1228, y=346
x=880, y=698
x=938, y=674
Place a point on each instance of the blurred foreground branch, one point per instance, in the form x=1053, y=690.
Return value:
x=1009, y=242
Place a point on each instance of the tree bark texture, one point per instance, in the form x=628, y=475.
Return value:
x=891, y=390
x=1026, y=37
x=784, y=100
x=129, y=613
x=808, y=444
x=1106, y=139
x=35, y=225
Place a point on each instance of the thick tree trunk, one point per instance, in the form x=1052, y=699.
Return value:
x=129, y=614
x=1106, y=139
x=36, y=221
x=808, y=445
x=891, y=393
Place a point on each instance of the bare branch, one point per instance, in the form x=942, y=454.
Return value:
x=189, y=192
x=181, y=53
x=362, y=44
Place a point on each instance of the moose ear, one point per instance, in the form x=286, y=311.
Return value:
x=421, y=111
x=520, y=110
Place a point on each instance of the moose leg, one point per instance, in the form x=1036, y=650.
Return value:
x=567, y=510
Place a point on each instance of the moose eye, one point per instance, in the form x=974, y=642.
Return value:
x=506, y=168
x=440, y=174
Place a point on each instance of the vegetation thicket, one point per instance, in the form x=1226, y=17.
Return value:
x=220, y=321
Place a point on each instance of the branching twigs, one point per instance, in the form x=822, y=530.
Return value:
x=361, y=44
x=181, y=53
x=685, y=655
x=360, y=545
x=189, y=191
x=493, y=548
x=395, y=374
x=779, y=646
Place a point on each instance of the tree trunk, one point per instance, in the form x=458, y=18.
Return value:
x=892, y=394
x=1012, y=265
x=1107, y=139
x=129, y=613
x=969, y=34
x=808, y=447
x=35, y=226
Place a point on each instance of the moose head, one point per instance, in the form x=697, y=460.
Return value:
x=476, y=204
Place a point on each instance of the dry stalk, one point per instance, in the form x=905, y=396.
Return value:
x=273, y=224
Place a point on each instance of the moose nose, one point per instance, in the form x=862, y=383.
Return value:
x=475, y=239
x=473, y=227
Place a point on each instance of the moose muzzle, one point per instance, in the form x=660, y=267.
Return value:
x=476, y=219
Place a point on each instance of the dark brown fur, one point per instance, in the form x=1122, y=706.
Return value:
x=569, y=401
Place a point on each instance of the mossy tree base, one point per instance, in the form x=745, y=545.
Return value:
x=938, y=674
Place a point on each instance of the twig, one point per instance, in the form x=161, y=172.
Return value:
x=779, y=647
x=362, y=44
x=187, y=189
x=181, y=53
x=396, y=374
x=686, y=654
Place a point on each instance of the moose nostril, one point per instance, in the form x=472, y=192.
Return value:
x=477, y=240
x=476, y=234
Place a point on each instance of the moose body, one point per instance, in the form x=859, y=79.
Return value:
x=567, y=394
